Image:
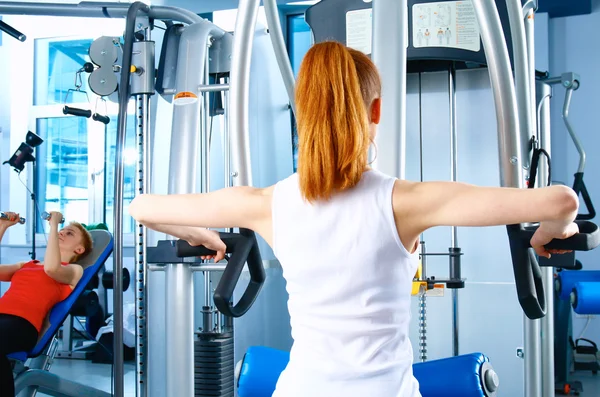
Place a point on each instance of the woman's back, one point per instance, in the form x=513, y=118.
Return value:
x=349, y=281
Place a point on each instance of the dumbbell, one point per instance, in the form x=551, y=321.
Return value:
x=46, y=216
x=5, y=217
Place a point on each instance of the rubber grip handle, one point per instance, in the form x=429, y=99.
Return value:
x=77, y=112
x=183, y=249
x=249, y=253
x=243, y=248
x=528, y=276
x=580, y=188
x=6, y=28
x=587, y=239
x=101, y=118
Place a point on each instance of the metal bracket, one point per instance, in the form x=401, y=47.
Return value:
x=530, y=5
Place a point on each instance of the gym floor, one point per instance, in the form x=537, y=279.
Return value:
x=98, y=376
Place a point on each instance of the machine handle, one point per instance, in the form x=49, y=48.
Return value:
x=103, y=119
x=244, y=249
x=77, y=112
x=4, y=216
x=528, y=276
x=587, y=239
x=579, y=187
x=183, y=249
x=6, y=28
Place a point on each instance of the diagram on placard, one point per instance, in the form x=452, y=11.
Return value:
x=445, y=24
x=427, y=36
x=448, y=35
x=443, y=15
x=424, y=17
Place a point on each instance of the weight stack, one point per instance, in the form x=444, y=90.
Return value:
x=213, y=365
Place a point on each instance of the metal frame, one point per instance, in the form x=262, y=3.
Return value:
x=390, y=41
x=543, y=95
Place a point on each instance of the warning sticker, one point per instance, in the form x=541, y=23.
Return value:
x=450, y=24
x=359, y=29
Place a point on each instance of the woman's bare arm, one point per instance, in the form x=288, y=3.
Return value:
x=420, y=206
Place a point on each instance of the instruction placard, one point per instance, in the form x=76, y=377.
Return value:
x=359, y=29
x=450, y=24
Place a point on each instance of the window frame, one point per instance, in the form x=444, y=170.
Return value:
x=96, y=138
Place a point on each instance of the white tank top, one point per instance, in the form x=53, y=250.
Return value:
x=349, y=283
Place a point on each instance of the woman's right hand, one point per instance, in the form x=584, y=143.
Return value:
x=13, y=219
x=55, y=218
x=548, y=231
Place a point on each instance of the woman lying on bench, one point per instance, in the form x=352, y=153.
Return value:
x=35, y=287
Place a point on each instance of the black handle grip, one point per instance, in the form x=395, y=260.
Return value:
x=244, y=249
x=587, y=239
x=184, y=250
x=77, y=112
x=100, y=118
x=528, y=278
x=6, y=28
x=579, y=187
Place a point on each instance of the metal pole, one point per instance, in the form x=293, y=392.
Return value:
x=390, y=19
x=511, y=172
x=529, y=13
x=34, y=208
x=523, y=77
x=576, y=141
x=124, y=95
x=453, y=166
x=205, y=140
x=544, y=380
x=281, y=54
x=227, y=141
x=205, y=180
x=94, y=9
x=183, y=165
x=144, y=180
x=243, y=40
x=544, y=92
x=503, y=89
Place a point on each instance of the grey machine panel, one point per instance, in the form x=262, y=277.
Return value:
x=327, y=20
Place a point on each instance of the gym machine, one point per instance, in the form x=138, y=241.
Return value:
x=569, y=271
x=194, y=52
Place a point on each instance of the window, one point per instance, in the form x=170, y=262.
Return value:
x=56, y=64
x=76, y=162
x=62, y=168
x=299, y=42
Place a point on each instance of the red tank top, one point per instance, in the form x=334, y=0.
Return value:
x=32, y=293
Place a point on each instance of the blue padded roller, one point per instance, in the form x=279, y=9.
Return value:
x=464, y=376
x=585, y=298
x=260, y=370
x=567, y=278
